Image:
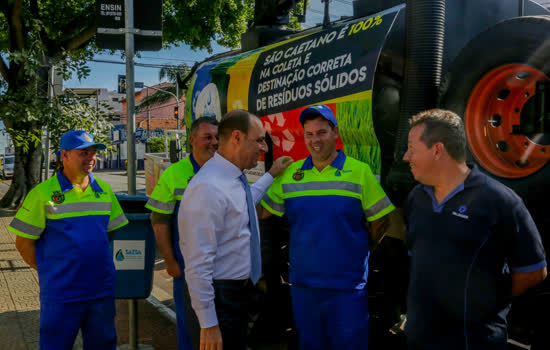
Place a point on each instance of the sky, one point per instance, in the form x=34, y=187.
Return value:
x=104, y=75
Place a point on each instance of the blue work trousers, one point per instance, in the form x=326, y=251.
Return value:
x=60, y=322
x=331, y=319
x=180, y=288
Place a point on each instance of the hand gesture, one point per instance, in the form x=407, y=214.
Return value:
x=280, y=165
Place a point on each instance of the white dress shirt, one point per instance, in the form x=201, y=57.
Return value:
x=214, y=234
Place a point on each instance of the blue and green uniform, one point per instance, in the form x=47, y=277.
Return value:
x=329, y=246
x=165, y=199
x=75, y=267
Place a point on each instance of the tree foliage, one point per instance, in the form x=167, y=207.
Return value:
x=35, y=33
x=172, y=74
x=156, y=144
x=77, y=113
x=197, y=22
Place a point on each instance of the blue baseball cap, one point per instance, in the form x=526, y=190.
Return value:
x=78, y=139
x=318, y=110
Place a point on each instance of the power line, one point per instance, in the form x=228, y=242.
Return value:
x=167, y=59
x=151, y=109
x=322, y=13
x=344, y=2
x=148, y=65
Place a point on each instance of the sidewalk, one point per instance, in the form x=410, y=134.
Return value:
x=20, y=306
x=19, y=303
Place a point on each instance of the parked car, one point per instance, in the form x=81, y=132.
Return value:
x=7, y=166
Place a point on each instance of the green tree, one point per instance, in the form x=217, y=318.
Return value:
x=177, y=74
x=173, y=75
x=34, y=33
x=76, y=113
x=156, y=145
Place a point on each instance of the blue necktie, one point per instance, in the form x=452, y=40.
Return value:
x=255, y=250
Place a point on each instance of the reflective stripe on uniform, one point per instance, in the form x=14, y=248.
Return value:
x=179, y=191
x=161, y=205
x=280, y=207
x=378, y=207
x=119, y=220
x=78, y=207
x=26, y=228
x=322, y=185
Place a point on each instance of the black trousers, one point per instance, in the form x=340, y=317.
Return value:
x=232, y=298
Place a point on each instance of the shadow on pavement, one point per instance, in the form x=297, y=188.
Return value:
x=4, y=212
x=19, y=329
x=153, y=329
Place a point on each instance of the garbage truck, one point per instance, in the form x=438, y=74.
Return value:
x=486, y=60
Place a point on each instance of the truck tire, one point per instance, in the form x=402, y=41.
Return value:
x=489, y=85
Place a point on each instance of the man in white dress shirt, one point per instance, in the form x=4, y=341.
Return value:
x=220, y=240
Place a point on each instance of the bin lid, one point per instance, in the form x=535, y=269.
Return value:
x=132, y=204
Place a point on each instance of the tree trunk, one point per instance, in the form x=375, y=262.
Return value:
x=26, y=176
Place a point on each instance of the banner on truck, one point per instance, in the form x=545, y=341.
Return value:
x=333, y=66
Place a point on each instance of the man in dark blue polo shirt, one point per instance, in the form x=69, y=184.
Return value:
x=473, y=244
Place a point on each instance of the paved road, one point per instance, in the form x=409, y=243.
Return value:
x=118, y=180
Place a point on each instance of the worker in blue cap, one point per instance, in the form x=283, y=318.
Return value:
x=336, y=210
x=63, y=231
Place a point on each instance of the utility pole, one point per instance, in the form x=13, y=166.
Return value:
x=326, y=16
x=169, y=93
x=131, y=142
x=178, y=100
x=148, y=124
x=51, y=82
x=130, y=96
x=142, y=31
x=148, y=117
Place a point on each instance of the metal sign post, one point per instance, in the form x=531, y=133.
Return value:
x=51, y=95
x=178, y=102
x=130, y=124
x=130, y=96
x=143, y=34
x=169, y=93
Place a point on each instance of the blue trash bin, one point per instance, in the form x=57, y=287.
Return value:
x=133, y=250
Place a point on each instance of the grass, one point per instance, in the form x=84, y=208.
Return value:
x=357, y=132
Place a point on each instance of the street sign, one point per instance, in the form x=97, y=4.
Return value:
x=147, y=24
x=116, y=136
x=110, y=13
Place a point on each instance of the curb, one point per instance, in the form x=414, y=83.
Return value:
x=164, y=310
